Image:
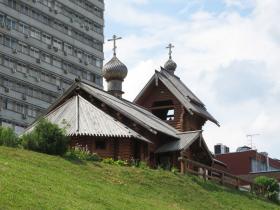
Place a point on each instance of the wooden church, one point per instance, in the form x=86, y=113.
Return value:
x=162, y=124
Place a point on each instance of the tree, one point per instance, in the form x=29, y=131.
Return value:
x=270, y=187
x=8, y=137
x=46, y=138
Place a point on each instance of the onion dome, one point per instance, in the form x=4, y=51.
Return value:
x=114, y=70
x=170, y=65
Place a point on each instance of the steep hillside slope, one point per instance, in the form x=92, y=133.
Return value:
x=30, y=180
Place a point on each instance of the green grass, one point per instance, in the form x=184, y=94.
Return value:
x=30, y=180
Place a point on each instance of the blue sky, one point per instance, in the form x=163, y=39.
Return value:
x=227, y=51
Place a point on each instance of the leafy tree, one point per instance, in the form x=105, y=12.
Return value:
x=8, y=137
x=270, y=187
x=46, y=138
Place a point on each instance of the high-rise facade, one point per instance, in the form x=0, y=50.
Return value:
x=44, y=46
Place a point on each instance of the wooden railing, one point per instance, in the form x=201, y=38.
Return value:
x=222, y=177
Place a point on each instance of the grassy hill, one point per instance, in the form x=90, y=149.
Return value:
x=30, y=180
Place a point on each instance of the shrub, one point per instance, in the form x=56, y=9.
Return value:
x=174, y=170
x=138, y=164
x=121, y=163
x=143, y=165
x=108, y=161
x=270, y=187
x=111, y=161
x=46, y=138
x=8, y=137
x=81, y=153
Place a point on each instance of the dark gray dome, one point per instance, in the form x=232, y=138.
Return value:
x=170, y=65
x=114, y=70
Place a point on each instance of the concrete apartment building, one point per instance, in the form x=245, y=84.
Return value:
x=44, y=46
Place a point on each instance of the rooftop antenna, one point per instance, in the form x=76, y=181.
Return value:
x=250, y=139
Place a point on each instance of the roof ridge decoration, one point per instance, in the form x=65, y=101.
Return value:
x=115, y=71
x=170, y=65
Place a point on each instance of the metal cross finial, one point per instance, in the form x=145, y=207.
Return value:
x=170, y=46
x=114, y=39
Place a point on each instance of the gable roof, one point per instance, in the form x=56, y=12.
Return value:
x=81, y=118
x=187, y=98
x=132, y=111
x=185, y=141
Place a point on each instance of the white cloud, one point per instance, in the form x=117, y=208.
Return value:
x=207, y=45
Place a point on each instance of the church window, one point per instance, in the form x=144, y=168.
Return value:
x=100, y=145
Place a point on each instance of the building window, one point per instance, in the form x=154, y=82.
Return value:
x=24, y=28
x=11, y=43
x=47, y=39
x=10, y=23
x=88, y=58
x=8, y=62
x=68, y=48
x=24, y=9
x=79, y=54
x=21, y=68
x=258, y=165
x=16, y=107
x=46, y=2
x=46, y=58
x=57, y=43
x=98, y=62
x=2, y=20
x=164, y=110
x=33, y=73
x=101, y=145
x=91, y=77
x=57, y=62
x=23, y=48
x=12, y=3
x=35, y=33
x=99, y=80
x=34, y=52
x=32, y=112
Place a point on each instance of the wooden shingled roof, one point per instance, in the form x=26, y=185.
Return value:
x=81, y=118
x=132, y=111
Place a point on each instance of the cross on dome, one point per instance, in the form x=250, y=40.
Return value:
x=170, y=65
x=115, y=71
x=114, y=39
x=170, y=46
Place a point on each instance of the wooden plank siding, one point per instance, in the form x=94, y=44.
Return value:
x=116, y=148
